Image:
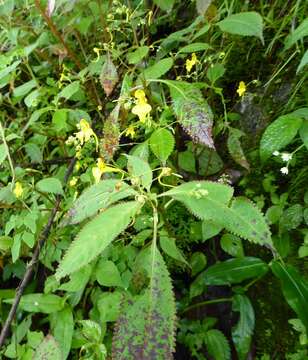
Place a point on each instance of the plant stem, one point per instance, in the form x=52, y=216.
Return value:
x=2, y=134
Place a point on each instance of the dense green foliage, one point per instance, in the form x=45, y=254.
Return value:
x=153, y=176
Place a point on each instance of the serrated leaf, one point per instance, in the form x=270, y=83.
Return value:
x=48, y=350
x=158, y=69
x=233, y=271
x=145, y=329
x=217, y=345
x=96, y=236
x=235, y=148
x=136, y=56
x=162, y=144
x=192, y=111
x=63, y=327
x=248, y=23
x=279, y=134
x=140, y=170
x=40, y=303
x=50, y=185
x=300, y=32
x=294, y=288
x=96, y=197
x=109, y=76
x=202, y=198
x=243, y=330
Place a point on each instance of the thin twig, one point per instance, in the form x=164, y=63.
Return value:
x=28, y=274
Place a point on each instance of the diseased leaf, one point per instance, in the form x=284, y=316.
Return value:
x=235, y=148
x=162, y=144
x=279, y=134
x=192, y=111
x=96, y=236
x=294, y=288
x=243, y=330
x=110, y=141
x=48, y=350
x=233, y=271
x=96, y=197
x=109, y=76
x=248, y=23
x=146, y=327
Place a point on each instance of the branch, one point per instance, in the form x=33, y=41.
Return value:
x=28, y=274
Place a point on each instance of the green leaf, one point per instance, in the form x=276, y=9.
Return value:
x=91, y=331
x=197, y=262
x=195, y=47
x=40, y=303
x=233, y=271
x=279, y=134
x=243, y=330
x=303, y=62
x=107, y=274
x=202, y=198
x=235, y=148
x=6, y=71
x=78, y=280
x=300, y=32
x=294, y=288
x=62, y=323
x=245, y=23
x=24, y=89
x=34, y=152
x=69, y=90
x=136, y=56
x=210, y=229
x=215, y=72
x=3, y=153
x=192, y=111
x=59, y=119
x=162, y=144
x=31, y=100
x=217, y=345
x=140, y=171
x=165, y=5
x=232, y=245
x=145, y=329
x=48, y=350
x=158, y=69
x=50, y=185
x=303, y=133
x=202, y=6
x=109, y=306
x=96, y=197
x=91, y=240
x=169, y=247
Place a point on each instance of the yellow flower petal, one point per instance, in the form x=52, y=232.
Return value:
x=130, y=131
x=190, y=63
x=18, y=190
x=241, y=89
x=142, y=111
x=96, y=172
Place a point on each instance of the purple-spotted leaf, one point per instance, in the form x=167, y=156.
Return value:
x=109, y=76
x=193, y=112
x=110, y=142
x=235, y=148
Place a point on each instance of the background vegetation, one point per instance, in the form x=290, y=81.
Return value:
x=153, y=179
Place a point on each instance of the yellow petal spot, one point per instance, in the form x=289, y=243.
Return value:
x=241, y=88
x=102, y=168
x=73, y=181
x=130, y=131
x=142, y=108
x=85, y=133
x=191, y=62
x=18, y=190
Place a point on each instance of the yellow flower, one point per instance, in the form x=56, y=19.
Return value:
x=18, y=190
x=73, y=181
x=142, y=108
x=241, y=88
x=85, y=133
x=130, y=131
x=192, y=62
x=101, y=169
